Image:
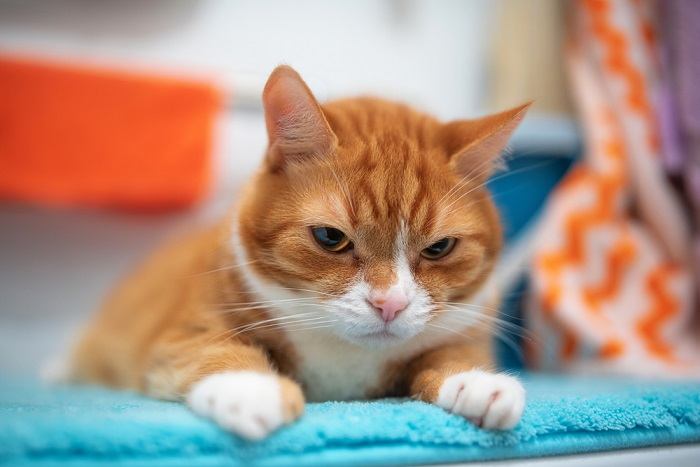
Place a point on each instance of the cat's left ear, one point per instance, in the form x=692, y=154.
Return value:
x=296, y=126
x=475, y=146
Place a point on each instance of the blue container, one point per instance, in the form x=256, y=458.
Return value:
x=521, y=193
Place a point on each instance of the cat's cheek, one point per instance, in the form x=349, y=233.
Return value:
x=491, y=401
x=248, y=403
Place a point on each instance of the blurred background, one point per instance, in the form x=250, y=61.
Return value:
x=81, y=204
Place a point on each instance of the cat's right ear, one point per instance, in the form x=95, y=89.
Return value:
x=296, y=126
x=476, y=145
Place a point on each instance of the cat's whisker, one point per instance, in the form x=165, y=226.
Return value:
x=475, y=306
x=462, y=182
x=449, y=201
x=450, y=330
x=496, y=324
x=229, y=333
x=225, y=268
x=513, y=328
x=499, y=177
x=461, y=196
x=287, y=306
x=517, y=350
x=293, y=289
x=263, y=305
x=515, y=294
x=230, y=310
x=309, y=290
x=496, y=332
x=469, y=304
x=296, y=326
x=477, y=172
x=482, y=168
x=285, y=321
x=299, y=289
x=547, y=161
x=507, y=326
x=264, y=302
x=324, y=325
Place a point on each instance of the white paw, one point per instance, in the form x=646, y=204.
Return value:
x=247, y=403
x=491, y=401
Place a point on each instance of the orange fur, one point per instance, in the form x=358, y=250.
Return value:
x=373, y=169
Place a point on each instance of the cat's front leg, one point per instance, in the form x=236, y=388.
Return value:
x=231, y=383
x=449, y=378
x=489, y=400
x=249, y=403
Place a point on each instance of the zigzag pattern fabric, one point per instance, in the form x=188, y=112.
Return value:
x=612, y=288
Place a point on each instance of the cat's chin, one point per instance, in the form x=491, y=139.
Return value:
x=377, y=339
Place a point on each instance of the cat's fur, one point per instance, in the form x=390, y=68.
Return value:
x=246, y=319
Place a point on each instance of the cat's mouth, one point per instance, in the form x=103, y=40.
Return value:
x=381, y=337
x=383, y=334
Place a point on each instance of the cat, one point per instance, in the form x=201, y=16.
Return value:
x=354, y=266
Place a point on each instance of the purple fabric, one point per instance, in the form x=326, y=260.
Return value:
x=686, y=45
x=673, y=154
x=681, y=57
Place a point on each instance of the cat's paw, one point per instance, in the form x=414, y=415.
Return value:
x=491, y=401
x=248, y=403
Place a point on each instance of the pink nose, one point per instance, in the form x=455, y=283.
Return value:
x=389, y=304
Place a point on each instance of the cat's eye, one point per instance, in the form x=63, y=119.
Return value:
x=439, y=249
x=331, y=239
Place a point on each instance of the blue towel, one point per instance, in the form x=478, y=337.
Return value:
x=80, y=426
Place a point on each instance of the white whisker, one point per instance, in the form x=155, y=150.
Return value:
x=274, y=322
x=225, y=268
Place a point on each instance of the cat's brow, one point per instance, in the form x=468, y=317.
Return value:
x=329, y=211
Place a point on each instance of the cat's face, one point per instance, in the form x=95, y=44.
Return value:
x=377, y=209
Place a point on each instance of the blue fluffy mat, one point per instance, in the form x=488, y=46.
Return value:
x=83, y=426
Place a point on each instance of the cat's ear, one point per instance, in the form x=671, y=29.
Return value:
x=296, y=126
x=475, y=146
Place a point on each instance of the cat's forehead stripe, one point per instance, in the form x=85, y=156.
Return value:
x=366, y=191
x=369, y=195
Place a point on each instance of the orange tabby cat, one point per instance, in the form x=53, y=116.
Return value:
x=353, y=267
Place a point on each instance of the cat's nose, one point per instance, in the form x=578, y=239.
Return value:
x=388, y=303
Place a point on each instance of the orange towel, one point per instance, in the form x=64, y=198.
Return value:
x=72, y=135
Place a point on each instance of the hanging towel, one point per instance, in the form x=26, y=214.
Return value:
x=611, y=277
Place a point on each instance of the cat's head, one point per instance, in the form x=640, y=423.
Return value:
x=370, y=216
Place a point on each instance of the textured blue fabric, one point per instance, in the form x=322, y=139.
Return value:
x=82, y=426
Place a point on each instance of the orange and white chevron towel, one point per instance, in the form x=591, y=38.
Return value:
x=611, y=281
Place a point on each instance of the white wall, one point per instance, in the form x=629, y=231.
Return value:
x=429, y=53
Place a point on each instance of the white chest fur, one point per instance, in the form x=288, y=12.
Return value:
x=332, y=369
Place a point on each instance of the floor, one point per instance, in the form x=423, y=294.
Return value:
x=675, y=456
